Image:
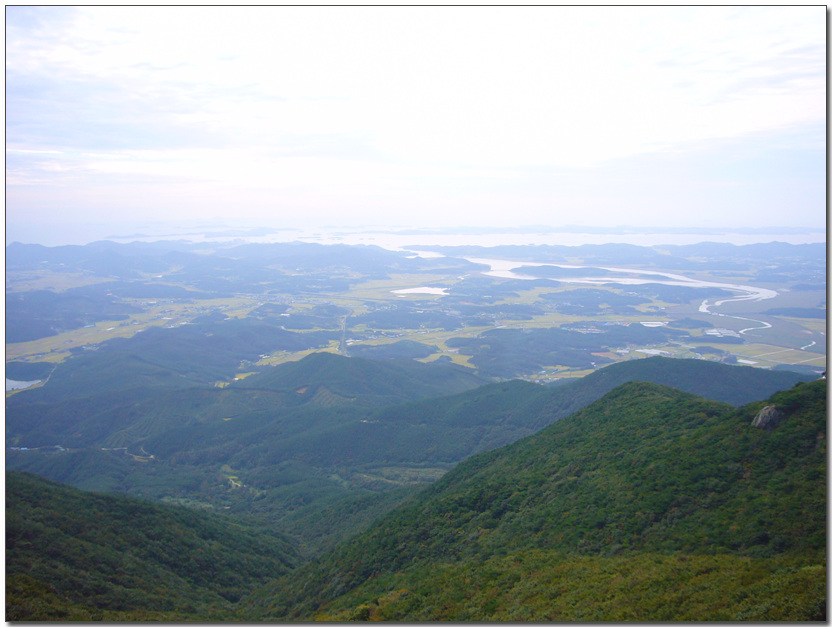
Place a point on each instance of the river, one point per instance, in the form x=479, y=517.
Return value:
x=504, y=268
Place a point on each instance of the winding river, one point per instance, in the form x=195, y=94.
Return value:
x=505, y=268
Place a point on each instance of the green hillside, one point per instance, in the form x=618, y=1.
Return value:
x=332, y=379
x=72, y=555
x=497, y=414
x=660, y=504
x=97, y=414
x=737, y=385
x=328, y=410
x=291, y=443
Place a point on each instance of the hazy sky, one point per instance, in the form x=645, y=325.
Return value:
x=417, y=116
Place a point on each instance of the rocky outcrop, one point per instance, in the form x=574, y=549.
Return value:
x=768, y=418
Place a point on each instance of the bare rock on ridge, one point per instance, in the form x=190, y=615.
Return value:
x=768, y=418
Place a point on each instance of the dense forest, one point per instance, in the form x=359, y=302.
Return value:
x=303, y=435
x=648, y=504
x=73, y=555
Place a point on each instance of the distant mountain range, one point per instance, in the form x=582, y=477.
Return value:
x=611, y=230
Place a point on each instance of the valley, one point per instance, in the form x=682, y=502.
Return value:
x=310, y=394
x=648, y=504
x=416, y=314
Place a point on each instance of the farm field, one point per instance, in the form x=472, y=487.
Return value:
x=694, y=312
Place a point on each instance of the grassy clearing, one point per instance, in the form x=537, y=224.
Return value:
x=769, y=355
x=356, y=306
x=763, y=350
x=408, y=475
x=573, y=374
x=284, y=357
x=460, y=360
x=56, y=348
x=382, y=289
x=765, y=355
x=817, y=325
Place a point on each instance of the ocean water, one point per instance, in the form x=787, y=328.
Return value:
x=387, y=237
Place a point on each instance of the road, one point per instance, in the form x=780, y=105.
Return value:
x=342, y=345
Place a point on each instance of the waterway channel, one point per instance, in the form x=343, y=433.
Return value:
x=504, y=268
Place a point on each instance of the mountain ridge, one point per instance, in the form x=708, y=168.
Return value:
x=648, y=504
x=696, y=486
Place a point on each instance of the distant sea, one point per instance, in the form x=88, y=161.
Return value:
x=397, y=239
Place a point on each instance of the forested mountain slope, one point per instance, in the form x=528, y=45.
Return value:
x=664, y=505
x=333, y=378
x=295, y=439
x=73, y=555
x=172, y=419
x=737, y=385
x=95, y=414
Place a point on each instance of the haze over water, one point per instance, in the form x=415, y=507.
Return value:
x=398, y=239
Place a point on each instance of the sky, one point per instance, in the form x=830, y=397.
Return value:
x=415, y=116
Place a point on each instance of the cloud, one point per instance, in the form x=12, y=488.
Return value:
x=393, y=106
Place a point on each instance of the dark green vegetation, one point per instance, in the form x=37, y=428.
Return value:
x=404, y=349
x=649, y=485
x=650, y=504
x=279, y=441
x=72, y=555
x=310, y=458
x=737, y=385
x=28, y=371
x=201, y=353
x=40, y=313
x=502, y=353
x=362, y=382
x=305, y=434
